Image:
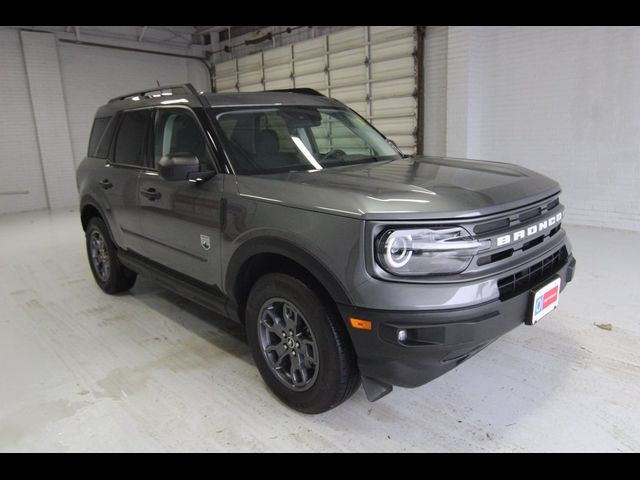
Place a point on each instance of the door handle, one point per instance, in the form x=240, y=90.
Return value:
x=151, y=193
x=106, y=184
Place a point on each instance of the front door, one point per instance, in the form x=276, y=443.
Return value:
x=180, y=220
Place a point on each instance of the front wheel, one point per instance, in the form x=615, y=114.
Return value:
x=300, y=347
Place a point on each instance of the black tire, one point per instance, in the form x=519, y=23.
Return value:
x=336, y=375
x=115, y=278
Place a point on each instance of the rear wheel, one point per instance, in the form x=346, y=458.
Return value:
x=110, y=275
x=300, y=346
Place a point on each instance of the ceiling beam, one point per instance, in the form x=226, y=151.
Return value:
x=215, y=28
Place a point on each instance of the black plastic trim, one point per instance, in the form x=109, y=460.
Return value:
x=289, y=250
x=436, y=340
x=206, y=295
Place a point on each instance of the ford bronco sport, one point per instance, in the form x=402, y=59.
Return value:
x=347, y=261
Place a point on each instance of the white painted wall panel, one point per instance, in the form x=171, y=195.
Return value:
x=402, y=47
x=278, y=72
x=560, y=100
x=349, y=94
x=309, y=65
x=347, y=57
x=348, y=76
x=396, y=126
x=459, y=46
x=250, y=73
x=346, y=39
x=313, y=48
x=226, y=84
x=281, y=84
x=50, y=92
x=277, y=57
x=21, y=183
x=403, y=87
x=396, y=68
x=50, y=113
x=226, y=76
x=379, y=34
x=360, y=107
x=435, y=91
x=92, y=76
x=313, y=80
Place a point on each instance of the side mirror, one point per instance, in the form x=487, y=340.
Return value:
x=178, y=167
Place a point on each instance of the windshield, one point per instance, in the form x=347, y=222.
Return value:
x=284, y=138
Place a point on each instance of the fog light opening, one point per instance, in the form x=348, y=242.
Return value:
x=402, y=336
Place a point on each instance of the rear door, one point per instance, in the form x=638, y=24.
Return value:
x=119, y=177
x=180, y=220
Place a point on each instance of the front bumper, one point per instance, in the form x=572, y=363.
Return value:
x=436, y=340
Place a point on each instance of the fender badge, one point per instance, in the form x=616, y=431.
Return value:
x=205, y=242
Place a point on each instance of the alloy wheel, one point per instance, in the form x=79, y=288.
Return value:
x=99, y=255
x=288, y=344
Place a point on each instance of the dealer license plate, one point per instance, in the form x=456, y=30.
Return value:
x=545, y=300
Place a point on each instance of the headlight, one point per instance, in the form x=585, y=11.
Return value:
x=426, y=251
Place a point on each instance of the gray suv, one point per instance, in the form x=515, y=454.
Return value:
x=347, y=261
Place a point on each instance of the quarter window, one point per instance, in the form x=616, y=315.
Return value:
x=101, y=135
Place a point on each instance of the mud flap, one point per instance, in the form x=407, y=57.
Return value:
x=374, y=389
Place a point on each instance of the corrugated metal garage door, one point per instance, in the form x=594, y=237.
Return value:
x=371, y=69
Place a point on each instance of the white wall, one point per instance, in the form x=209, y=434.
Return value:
x=50, y=92
x=435, y=91
x=21, y=182
x=50, y=114
x=560, y=100
x=91, y=76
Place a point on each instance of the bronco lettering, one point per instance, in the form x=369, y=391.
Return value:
x=531, y=230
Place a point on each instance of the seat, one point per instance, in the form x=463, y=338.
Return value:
x=267, y=142
x=188, y=138
x=268, y=154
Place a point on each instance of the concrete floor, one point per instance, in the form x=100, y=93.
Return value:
x=149, y=371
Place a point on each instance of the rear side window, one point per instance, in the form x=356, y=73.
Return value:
x=129, y=149
x=100, y=139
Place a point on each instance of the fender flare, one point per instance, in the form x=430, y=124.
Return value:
x=272, y=245
x=88, y=201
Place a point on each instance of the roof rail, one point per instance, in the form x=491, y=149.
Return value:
x=158, y=91
x=302, y=91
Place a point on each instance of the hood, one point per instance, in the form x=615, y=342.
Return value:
x=406, y=189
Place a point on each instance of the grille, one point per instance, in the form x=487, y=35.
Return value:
x=530, y=214
x=528, y=277
x=553, y=204
x=504, y=223
x=491, y=226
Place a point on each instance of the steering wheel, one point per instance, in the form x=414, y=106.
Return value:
x=333, y=152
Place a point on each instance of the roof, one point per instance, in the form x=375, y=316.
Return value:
x=267, y=98
x=187, y=95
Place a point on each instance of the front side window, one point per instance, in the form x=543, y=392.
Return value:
x=132, y=134
x=284, y=138
x=177, y=133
